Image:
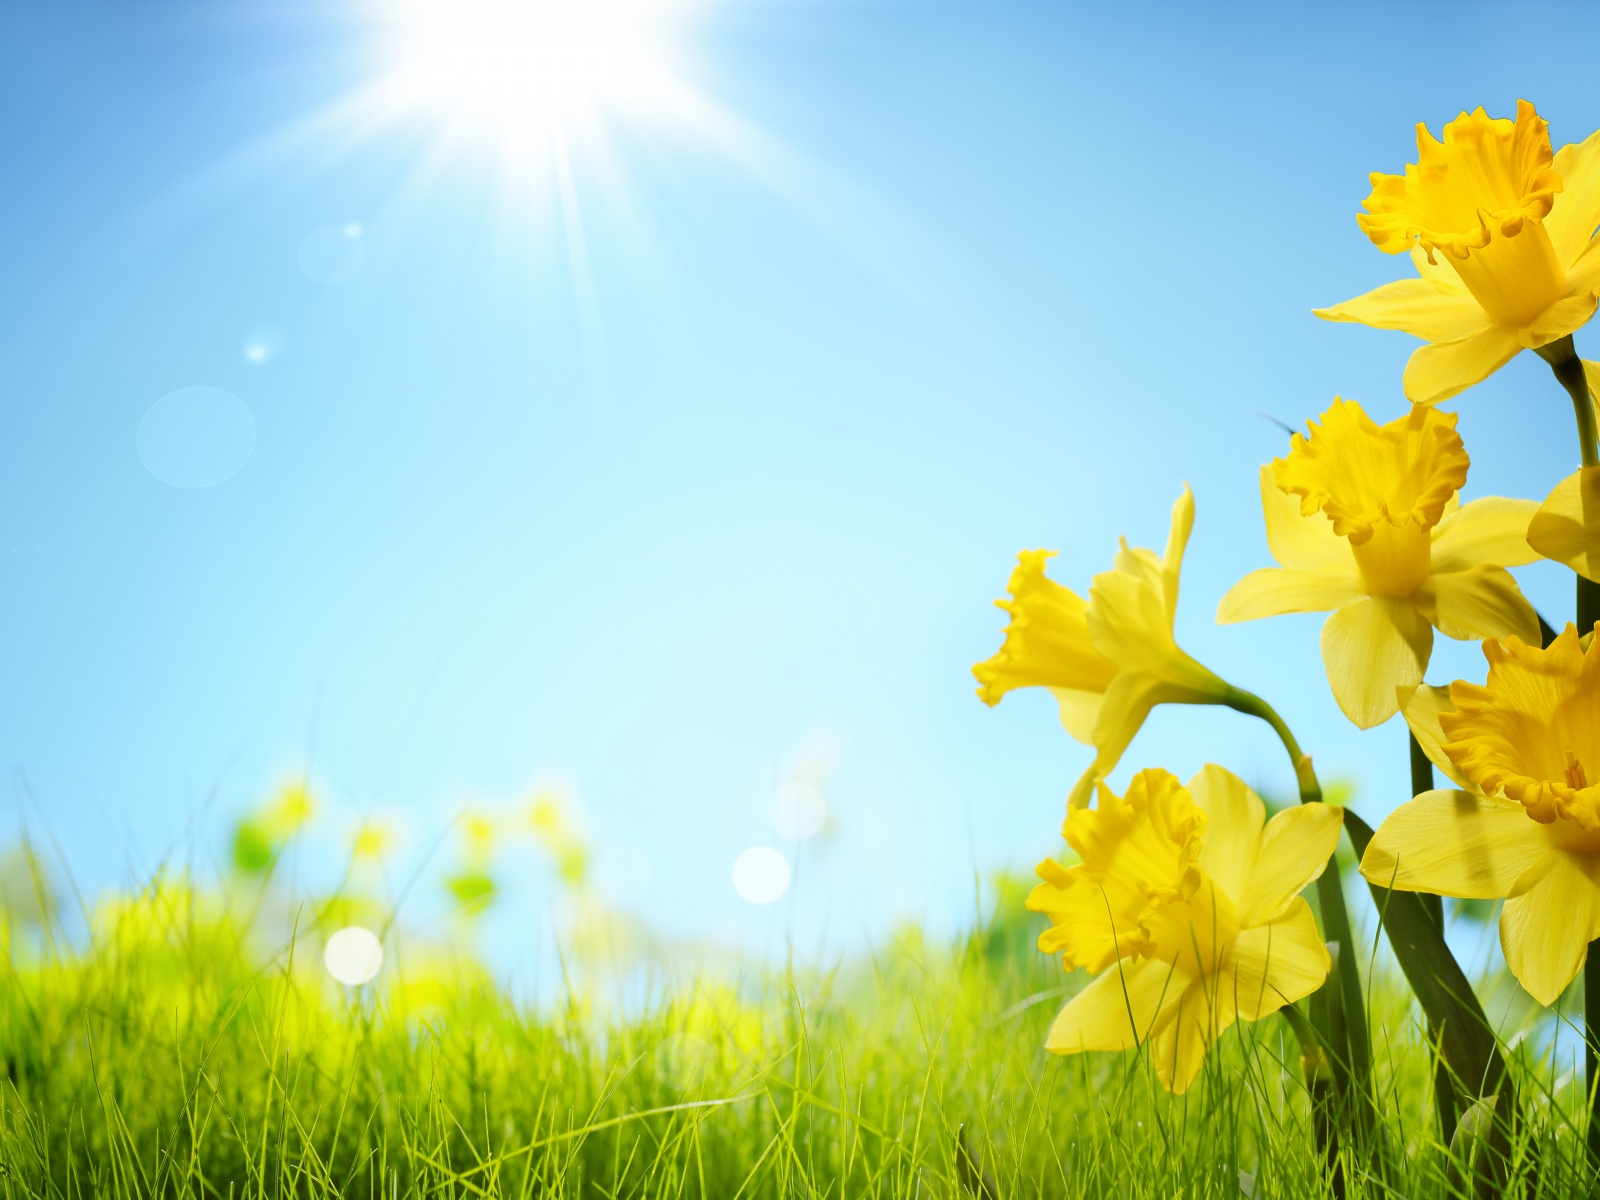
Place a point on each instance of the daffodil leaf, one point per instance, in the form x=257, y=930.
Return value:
x=1466, y=1039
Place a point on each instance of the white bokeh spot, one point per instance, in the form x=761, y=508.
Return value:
x=798, y=810
x=261, y=345
x=761, y=875
x=196, y=437
x=353, y=955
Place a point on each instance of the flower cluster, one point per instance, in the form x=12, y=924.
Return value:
x=1184, y=900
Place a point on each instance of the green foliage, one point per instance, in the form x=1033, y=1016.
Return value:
x=178, y=1054
x=253, y=850
x=473, y=890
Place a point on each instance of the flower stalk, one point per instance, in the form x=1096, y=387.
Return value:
x=1567, y=367
x=1352, y=1052
x=1444, y=1092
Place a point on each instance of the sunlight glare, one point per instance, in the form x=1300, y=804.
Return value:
x=527, y=70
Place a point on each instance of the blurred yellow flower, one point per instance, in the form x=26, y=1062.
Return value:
x=479, y=831
x=1107, y=661
x=1525, y=824
x=292, y=807
x=1190, y=908
x=1515, y=225
x=560, y=837
x=545, y=814
x=260, y=836
x=372, y=841
x=1375, y=536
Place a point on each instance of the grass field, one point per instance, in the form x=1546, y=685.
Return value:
x=174, y=1054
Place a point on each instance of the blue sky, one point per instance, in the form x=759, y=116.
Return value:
x=719, y=491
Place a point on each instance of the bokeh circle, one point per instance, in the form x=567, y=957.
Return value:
x=196, y=437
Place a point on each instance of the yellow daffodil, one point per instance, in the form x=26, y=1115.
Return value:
x=1363, y=519
x=1525, y=824
x=1501, y=233
x=1108, y=660
x=1190, y=909
x=1567, y=527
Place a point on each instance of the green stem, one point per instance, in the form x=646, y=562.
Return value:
x=1352, y=1060
x=1563, y=358
x=1444, y=1092
x=1568, y=369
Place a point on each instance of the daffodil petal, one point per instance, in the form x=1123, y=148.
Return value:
x=1567, y=526
x=1177, y=541
x=1295, y=847
x=1421, y=706
x=1583, y=276
x=1278, y=963
x=1415, y=306
x=1490, y=531
x=1272, y=591
x=1233, y=827
x=1128, y=702
x=1127, y=615
x=1119, y=1010
x=1083, y=790
x=1129, y=618
x=1483, y=602
x=1576, y=213
x=1546, y=930
x=1371, y=648
x=1454, y=844
x=1132, y=606
x=1570, y=313
x=1178, y=1049
x=1299, y=542
x=1439, y=370
x=1079, y=709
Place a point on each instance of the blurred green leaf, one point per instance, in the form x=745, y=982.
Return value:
x=252, y=848
x=474, y=890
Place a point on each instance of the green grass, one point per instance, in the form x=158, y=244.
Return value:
x=176, y=1055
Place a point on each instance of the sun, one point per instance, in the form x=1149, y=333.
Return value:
x=532, y=74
